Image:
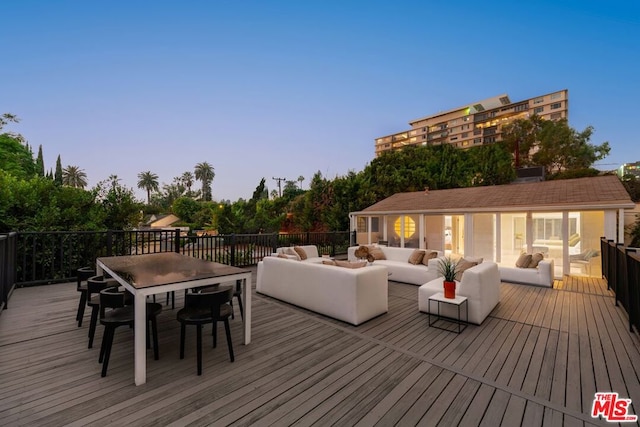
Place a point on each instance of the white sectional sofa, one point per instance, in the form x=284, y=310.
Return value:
x=480, y=284
x=542, y=275
x=310, y=250
x=400, y=270
x=351, y=295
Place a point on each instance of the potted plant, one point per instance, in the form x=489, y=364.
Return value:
x=448, y=269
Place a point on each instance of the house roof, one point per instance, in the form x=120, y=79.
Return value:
x=601, y=192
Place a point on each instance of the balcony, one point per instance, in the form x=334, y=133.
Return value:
x=538, y=359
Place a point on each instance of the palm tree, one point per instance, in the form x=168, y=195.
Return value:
x=73, y=176
x=300, y=179
x=187, y=179
x=205, y=174
x=148, y=181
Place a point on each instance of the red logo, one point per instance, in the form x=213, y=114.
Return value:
x=612, y=408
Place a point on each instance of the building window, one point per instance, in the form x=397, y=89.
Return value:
x=454, y=138
x=465, y=134
x=556, y=116
x=538, y=110
x=477, y=140
x=556, y=105
x=409, y=226
x=556, y=95
x=538, y=100
x=465, y=119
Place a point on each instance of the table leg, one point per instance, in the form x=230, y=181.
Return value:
x=140, y=347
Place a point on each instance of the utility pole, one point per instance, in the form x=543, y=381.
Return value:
x=279, y=185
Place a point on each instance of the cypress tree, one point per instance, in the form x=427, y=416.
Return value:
x=58, y=175
x=40, y=162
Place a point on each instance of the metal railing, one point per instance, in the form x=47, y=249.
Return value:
x=621, y=268
x=51, y=257
x=7, y=267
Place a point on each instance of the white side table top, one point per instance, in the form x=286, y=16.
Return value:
x=440, y=297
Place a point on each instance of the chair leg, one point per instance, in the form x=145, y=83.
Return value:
x=154, y=332
x=92, y=325
x=81, y=305
x=173, y=299
x=240, y=305
x=107, y=352
x=228, y=331
x=182, y=333
x=214, y=332
x=233, y=316
x=199, y=343
x=103, y=346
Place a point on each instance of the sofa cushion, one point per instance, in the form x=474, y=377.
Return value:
x=328, y=262
x=535, y=260
x=282, y=255
x=301, y=253
x=523, y=261
x=377, y=253
x=462, y=265
x=416, y=256
x=348, y=264
x=429, y=254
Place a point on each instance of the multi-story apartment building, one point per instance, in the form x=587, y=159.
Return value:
x=629, y=169
x=475, y=124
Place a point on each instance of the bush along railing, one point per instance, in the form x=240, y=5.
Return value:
x=51, y=257
x=7, y=267
x=621, y=268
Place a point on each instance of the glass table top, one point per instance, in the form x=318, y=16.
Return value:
x=165, y=268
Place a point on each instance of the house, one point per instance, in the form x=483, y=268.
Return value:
x=559, y=218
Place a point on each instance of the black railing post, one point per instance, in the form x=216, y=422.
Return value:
x=233, y=250
x=274, y=242
x=176, y=240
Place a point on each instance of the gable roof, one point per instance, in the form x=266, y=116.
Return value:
x=601, y=192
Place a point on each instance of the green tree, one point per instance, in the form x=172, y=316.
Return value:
x=148, y=181
x=205, y=173
x=119, y=208
x=185, y=208
x=562, y=148
x=40, y=162
x=73, y=176
x=300, y=179
x=16, y=158
x=58, y=175
x=521, y=136
x=187, y=179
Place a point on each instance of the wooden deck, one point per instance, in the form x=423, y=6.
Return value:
x=537, y=360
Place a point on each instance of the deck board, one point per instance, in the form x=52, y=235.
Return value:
x=536, y=360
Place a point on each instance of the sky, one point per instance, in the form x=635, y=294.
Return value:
x=283, y=89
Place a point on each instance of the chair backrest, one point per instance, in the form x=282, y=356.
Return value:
x=95, y=284
x=84, y=273
x=212, y=299
x=111, y=298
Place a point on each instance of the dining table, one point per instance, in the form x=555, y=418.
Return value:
x=156, y=273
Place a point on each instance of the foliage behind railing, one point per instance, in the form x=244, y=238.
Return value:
x=621, y=268
x=48, y=257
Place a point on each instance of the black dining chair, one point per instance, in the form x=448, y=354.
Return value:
x=237, y=293
x=95, y=285
x=115, y=310
x=202, y=308
x=83, y=274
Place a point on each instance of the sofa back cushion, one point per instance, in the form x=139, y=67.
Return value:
x=535, y=260
x=463, y=265
x=429, y=254
x=416, y=257
x=301, y=252
x=377, y=253
x=523, y=261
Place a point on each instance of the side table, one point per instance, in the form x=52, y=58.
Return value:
x=458, y=302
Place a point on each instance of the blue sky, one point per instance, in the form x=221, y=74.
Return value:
x=288, y=88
